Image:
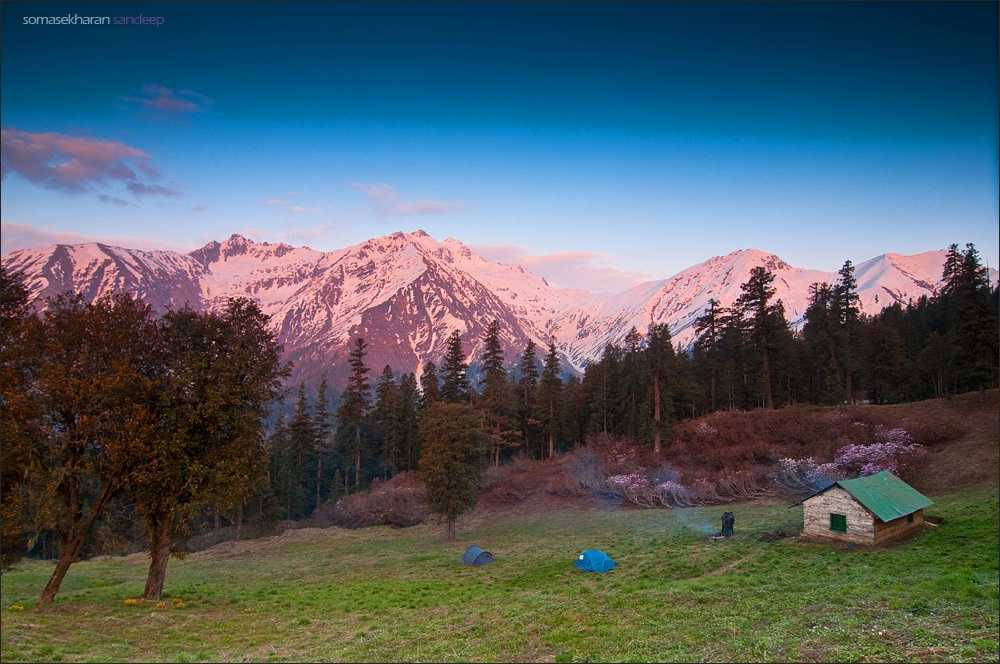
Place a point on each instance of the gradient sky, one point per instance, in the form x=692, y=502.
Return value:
x=613, y=142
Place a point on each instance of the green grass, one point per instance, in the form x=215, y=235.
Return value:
x=382, y=594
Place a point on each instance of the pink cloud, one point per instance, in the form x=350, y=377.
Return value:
x=388, y=202
x=162, y=98
x=585, y=270
x=75, y=164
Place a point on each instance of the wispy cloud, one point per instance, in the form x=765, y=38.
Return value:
x=289, y=206
x=26, y=236
x=141, y=189
x=113, y=200
x=585, y=270
x=161, y=98
x=76, y=164
x=388, y=202
x=309, y=234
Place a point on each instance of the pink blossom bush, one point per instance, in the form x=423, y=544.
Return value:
x=889, y=450
x=671, y=493
x=634, y=488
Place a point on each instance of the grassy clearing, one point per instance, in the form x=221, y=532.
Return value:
x=382, y=594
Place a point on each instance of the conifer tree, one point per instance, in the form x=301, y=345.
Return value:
x=661, y=363
x=762, y=319
x=707, y=345
x=526, y=387
x=971, y=312
x=496, y=402
x=847, y=310
x=429, y=387
x=820, y=335
x=454, y=379
x=280, y=472
x=451, y=459
x=550, y=398
x=386, y=416
x=302, y=443
x=406, y=418
x=323, y=426
x=633, y=383
x=353, y=408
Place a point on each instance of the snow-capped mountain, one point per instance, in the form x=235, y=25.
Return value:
x=406, y=292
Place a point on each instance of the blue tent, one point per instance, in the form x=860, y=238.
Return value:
x=594, y=560
x=476, y=556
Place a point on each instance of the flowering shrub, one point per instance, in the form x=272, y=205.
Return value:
x=888, y=450
x=16, y=607
x=802, y=475
x=633, y=487
x=671, y=493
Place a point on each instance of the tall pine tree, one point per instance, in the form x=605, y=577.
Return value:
x=353, y=408
x=455, y=380
x=550, y=398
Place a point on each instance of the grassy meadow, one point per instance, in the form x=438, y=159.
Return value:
x=384, y=594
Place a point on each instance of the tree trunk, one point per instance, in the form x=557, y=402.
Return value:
x=67, y=556
x=552, y=433
x=604, y=398
x=70, y=548
x=766, y=375
x=159, y=554
x=319, y=477
x=450, y=530
x=239, y=521
x=657, y=443
x=357, y=467
x=712, y=390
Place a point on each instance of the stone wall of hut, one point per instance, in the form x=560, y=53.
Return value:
x=816, y=517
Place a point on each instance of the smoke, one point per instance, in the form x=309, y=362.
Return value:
x=695, y=519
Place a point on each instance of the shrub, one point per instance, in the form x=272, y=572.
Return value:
x=399, y=502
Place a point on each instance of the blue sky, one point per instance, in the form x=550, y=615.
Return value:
x=625, y=141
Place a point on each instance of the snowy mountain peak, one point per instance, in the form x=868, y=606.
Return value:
x=405, y=292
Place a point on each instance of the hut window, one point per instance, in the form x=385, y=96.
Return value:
x=838, y=522
x=909, y=518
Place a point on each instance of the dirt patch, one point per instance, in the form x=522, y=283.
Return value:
x=773, y=535
x=728, y=567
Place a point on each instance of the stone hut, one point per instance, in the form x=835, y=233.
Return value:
x=865, y=510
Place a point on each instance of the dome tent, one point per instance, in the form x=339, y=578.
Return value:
x=594, y=560
x=476, y=556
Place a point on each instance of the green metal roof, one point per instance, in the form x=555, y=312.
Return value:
x=885, y=495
